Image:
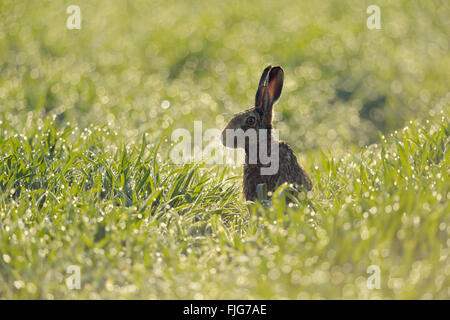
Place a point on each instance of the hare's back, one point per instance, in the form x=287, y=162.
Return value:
x=290, y=170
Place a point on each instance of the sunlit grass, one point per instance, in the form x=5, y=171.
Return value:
x=140, y=227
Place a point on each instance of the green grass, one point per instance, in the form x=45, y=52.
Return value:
x=85, y=124
x=141, y=228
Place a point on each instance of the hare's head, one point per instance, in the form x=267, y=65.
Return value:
x=259, y=116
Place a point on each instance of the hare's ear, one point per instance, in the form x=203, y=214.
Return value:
x=260, y=92
x=269, y=90
x=276, y=79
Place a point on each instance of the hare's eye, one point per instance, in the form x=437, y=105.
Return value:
x=250, y=121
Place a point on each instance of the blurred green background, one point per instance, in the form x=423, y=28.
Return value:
x=158, y=65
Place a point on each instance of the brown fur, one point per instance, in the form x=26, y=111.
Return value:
x=289, y=169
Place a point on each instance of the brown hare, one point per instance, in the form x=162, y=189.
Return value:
x=258, y=120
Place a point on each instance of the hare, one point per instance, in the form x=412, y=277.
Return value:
x=259, y=118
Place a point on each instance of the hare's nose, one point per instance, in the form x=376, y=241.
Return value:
x=228, y=140
x=224, y=136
